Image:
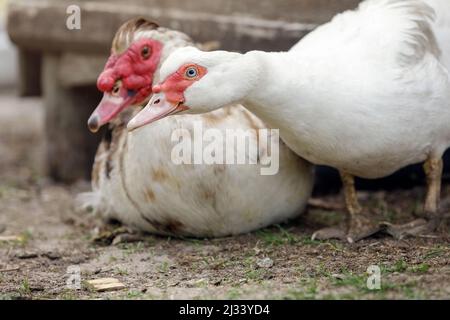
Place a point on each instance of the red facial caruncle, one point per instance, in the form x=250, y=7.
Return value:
x=175, y=84
x=168, y=97
x=126, y=80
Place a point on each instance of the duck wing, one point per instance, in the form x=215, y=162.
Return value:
x=395, y=33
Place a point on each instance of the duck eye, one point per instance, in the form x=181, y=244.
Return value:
x=116, y=89
x=145, y=52
x=191, y=72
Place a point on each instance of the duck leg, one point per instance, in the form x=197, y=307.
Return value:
x=433, y=170
x=358, y=225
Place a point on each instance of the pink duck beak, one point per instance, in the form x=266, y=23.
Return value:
x=157, y=108
x=110, y=106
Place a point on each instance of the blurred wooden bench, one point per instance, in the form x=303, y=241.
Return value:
x=63, y=64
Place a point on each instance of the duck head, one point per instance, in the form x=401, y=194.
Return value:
x=137, y=51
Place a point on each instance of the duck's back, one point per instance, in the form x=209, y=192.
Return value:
x=389, y=32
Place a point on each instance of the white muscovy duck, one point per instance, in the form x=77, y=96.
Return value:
x=366, y=93
x=134, y=179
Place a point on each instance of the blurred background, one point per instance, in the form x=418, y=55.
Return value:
x=8, y=55
x=48, y=71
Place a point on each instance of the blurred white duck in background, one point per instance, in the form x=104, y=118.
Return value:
x=367, y=93
x=135, y=180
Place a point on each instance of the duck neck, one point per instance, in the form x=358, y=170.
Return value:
x=280, y=84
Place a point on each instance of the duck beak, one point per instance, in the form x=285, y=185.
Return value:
x=109, y=107
x=157, y=108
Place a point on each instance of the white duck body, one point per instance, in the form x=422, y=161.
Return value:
x=209, y=200
x=147, y=191
x=136, y=182
x=365, y=93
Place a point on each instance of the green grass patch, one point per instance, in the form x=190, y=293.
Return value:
x=25, y=287
x=401, y=266
x=435, y=252
x=420, y=268
x=307, y=290
x=279, y=236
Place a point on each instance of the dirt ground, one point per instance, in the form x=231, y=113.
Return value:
x=280, y=262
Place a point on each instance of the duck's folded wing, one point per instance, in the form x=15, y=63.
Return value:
x=390, y=32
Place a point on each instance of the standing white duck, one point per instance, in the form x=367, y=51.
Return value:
x=135, y=180
x=366, y=94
